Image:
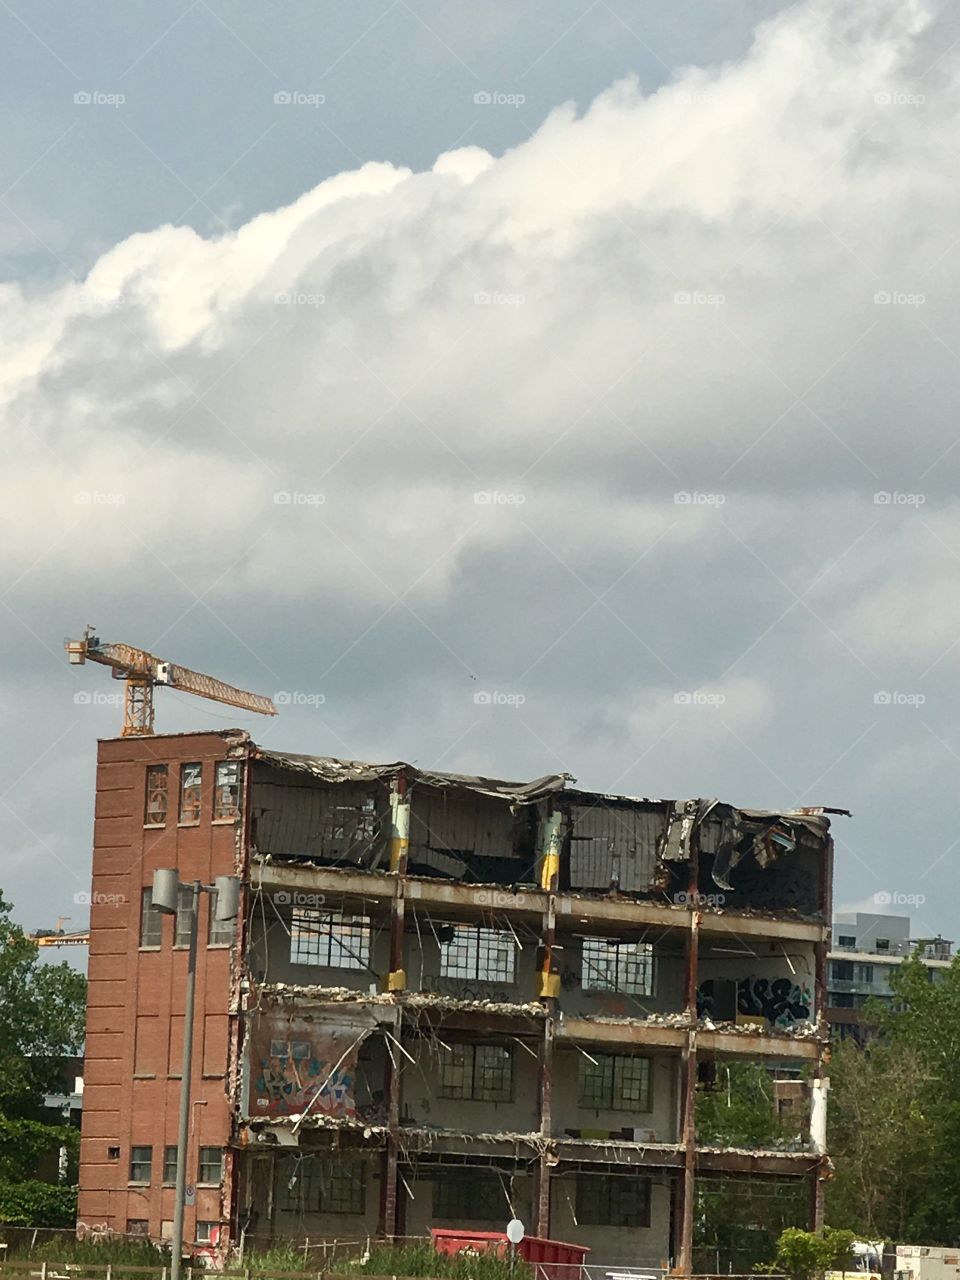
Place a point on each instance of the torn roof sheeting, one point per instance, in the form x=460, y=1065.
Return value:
x=328, y=769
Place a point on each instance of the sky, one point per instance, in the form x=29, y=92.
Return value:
x=510, y=389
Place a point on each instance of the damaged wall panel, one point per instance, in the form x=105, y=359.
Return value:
x=345, y=823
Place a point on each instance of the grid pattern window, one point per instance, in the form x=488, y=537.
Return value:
x=220, y=933
x=329, y=940
x=612, y=1200
x=841, y=970
x=479, y=955
x=865, y=973
x=343, y=1186
x=226, y=790
x=470, y=1195
x=141, y=1162
x=614, y=1082
x=210, y=1166
x=169, y=1166
x=479, y=1072
x=207, y=1232
x=151, y=922
x=191, y=781
x=138, y=1227
x=610, y=965
x=155, y=803
x=181, y=935
x=298, y=1188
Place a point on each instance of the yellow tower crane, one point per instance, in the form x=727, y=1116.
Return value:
x=143, y=672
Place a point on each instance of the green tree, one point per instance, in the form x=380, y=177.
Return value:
x=41, y=1022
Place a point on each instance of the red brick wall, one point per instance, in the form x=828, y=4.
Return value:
x=136, y=997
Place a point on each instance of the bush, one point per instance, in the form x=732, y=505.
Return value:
x=805, y=1254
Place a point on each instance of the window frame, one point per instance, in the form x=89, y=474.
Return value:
x=169, y=1166
x=477, y=943
x=181, y=935
x=164, y=771
x=465, y=1191
x=611, y=1070
x=594, y=978
x=139, y=1163
x=220, y=814
x=149, y=917
x=184, y=818
x=214, y=1181
x=326, y=922
x=603, y=1209
x=473, y=1090
x=220, y=933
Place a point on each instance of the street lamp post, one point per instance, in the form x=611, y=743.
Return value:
x=166, y=895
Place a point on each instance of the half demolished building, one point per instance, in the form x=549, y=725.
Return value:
x=448, y=1000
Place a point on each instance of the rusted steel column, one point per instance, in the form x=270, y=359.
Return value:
x=688, y=1193
x=546, y=1126
x=396, y=981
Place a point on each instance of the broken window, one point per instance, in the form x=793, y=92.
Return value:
x=470, y=1195
x=481, y=1072
x=613, y=1200
x=614, y=1082
x=151, y=922
x=141, y=1160
x=138, y=1227
x=219, y=932
x=329, y=940
x=191, y=778
x=312, y=1184
x=609, y=965
x=478, y=954
x=226, y=790
x=155, y=804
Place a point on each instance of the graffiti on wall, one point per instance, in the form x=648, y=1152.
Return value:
x=779, y=1001
x=300, y=1064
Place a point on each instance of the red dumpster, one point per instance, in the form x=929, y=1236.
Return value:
x=553, y=1259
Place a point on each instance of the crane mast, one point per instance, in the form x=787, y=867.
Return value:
x=142, y=673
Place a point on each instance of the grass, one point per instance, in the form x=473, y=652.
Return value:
x=424, y=1260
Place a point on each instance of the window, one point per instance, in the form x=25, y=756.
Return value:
x=883, y=944
x=151, y=922
x=608, y=965
x=612, y=1200
x=842, y=970
x=226, y=790
x=614, y=1082
x=210, y=1165
x=138, y=1227
x=482, y=1072
x=141, y=1160
x=843, y=1001
x=470, y=1195
x=846, y=940
x=310, y=1184
x=155, y=804
x=191, y=779
x=207, y=1232
x=331, y=941
x=169, y=1165
x=220, y=933
x=865, y=973
x=181, y=937
x=479, y=955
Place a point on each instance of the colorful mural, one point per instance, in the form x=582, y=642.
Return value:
x=300, y=1064
x=779, y=1001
